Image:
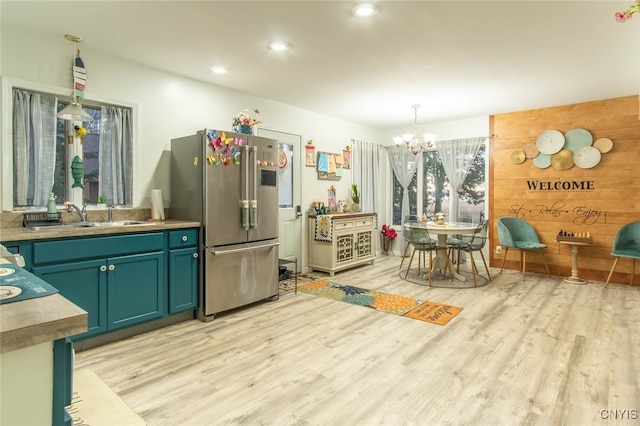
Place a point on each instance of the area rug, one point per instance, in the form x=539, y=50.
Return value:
x=288, y=284
x=436, y=313
x=390, y=303
x=95, y=404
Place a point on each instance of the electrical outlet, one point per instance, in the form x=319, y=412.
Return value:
x=498, y=249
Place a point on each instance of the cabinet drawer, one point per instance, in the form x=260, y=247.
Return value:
x=87, y=248
x=183, y=238
x=364, y=221
x=339, y=225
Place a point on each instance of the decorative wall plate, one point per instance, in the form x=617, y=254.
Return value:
x=562, y=160
x=587, y=157
x=542, y=161
x=604, y=145
x=282, y=159
x=518, y=156
x=550, y=141
x=575, y=139
x=530, y=150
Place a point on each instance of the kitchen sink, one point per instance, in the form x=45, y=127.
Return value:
x=90, y=225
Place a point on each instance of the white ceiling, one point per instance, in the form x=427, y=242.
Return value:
x=457, y=59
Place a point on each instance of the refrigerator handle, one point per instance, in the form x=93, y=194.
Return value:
x=231, y=251
x=253, y=213
x=245, y=214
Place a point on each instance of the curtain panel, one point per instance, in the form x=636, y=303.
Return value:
x=366, y=174
x=404, y=165
x=116, y=156
x=34, y=147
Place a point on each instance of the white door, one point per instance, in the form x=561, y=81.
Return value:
x=289, y=194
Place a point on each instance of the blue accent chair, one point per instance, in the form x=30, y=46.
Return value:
x=626, y=244
x=518, y=234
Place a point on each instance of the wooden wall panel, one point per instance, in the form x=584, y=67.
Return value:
x=601, y=211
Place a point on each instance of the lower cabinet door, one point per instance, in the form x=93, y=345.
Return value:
x=62, y=381
x=85, y=284
x=136, y=289
x=183, y=279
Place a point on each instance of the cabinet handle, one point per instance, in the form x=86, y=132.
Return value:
x=184, y=238
x=103, y=268
x=195, y=255
x=112, y=267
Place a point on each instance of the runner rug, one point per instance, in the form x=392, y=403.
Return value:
x=95, y=404
x=409, y=307
x=288, y=284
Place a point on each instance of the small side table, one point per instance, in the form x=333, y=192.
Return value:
x=574, y=278
x=295, y=271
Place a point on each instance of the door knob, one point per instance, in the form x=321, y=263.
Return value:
x=298, y=212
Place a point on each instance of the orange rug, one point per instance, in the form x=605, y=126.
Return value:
x=436, y=313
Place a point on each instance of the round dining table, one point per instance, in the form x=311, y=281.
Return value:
x=441, y=260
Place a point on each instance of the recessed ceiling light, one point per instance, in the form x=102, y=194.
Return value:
x=219, y=70
x=364, y=10
x=279, y=46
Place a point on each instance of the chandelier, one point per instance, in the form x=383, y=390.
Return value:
x=411, y=141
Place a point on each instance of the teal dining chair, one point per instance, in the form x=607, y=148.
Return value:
x=475, y=242
x=518, y=234
x=422, y=242
x=626, y=244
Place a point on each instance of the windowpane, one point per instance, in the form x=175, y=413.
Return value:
x=435, y=188
x=115, y=166
x=397, y=198
x=285, y=178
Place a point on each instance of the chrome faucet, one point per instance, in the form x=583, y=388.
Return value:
x=82, y=213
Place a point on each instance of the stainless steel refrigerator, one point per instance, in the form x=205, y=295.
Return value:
x=229, y=183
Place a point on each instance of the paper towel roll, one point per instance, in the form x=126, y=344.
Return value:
x=157, y=206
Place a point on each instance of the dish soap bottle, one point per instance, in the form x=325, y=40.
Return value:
x=52, y=212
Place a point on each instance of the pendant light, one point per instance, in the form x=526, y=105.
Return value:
x=74, y=110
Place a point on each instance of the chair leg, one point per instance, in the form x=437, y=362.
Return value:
x=523, y=260
x=406, y=249
x=615, y=262
x=633, y=270
x=474, y=270
x=546, y=266
x=458, y=262
x=430, y=266
x=485, y=265
x=506, y=250
x=410, y=261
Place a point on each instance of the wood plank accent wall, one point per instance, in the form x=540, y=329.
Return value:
x=613, y=201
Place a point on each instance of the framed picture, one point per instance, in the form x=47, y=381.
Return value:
x=310, y=156
x=346, y=157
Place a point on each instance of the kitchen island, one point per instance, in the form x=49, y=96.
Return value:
x=29, y=331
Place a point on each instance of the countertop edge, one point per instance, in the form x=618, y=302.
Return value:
x=42, y=319
x=22, y=234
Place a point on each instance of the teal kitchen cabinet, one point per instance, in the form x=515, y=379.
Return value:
x=83, y=283
x=120, y=280
x=184, y=269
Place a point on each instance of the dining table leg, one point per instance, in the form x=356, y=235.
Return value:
x=441, y=260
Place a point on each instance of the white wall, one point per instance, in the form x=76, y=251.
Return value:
x=170, y=106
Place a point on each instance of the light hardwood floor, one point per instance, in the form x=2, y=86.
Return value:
x=537, y=352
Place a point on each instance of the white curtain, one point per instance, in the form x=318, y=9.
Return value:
x=116, y=156
x=34, y=147
x=365, y=163
x=457, y=159
x=404, y=165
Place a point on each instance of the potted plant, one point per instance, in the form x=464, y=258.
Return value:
x=101, y=203
x=355, y=197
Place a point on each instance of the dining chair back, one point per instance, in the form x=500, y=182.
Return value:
x=418, y=236
x=406, y=236
x=518, y=234
x=475, y=242
x=626, y=244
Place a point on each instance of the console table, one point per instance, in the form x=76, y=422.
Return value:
x=574, y=278
x=341, y=241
